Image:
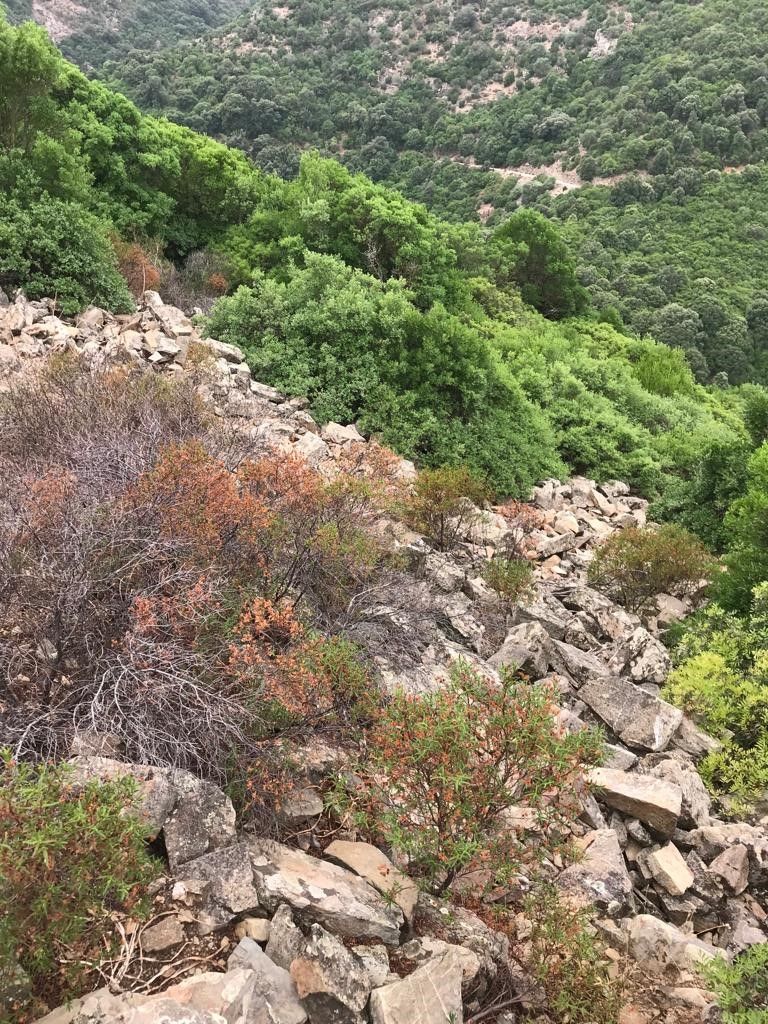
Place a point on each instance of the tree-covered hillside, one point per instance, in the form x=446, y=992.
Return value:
x=454, y=343
x=98, y=30
x=474, y=108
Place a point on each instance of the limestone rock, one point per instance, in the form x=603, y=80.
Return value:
x=732, y=865
x=421, y=951
x=372, y=865
x=165, y=934
x=668, y=868
x=652, y=940
x=335, y=433
x=654, y=802
x=615, y=622
x=228, y=888
x=194, y=816
x=643, y=658
x=331, y=982
x=275, y=998
x=696, y=799
x=322, y=893
x=639, y=719
x=375, y=959
x=580, y=666
x=286, y=942
x=256, y=928
x=527, y=648
x=601, y=876
x=431, y=995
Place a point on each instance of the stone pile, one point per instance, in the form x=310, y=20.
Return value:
x=671, y=883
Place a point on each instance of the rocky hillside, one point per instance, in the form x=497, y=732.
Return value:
x=315, y=923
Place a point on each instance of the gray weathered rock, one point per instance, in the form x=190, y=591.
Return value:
x=654, y=941
x=639, y=719
x=331, y=981
x=732, y=865
x=322, y=892
x=275, y=999
x=642, y=657
x=528, y=648
x=227, y=890
x=696, y=799
x=431, y=995
x=580, y=666
x=653, y=801
x=421, y=951
x=286, y=941
x=194, y=816
x=601, y=876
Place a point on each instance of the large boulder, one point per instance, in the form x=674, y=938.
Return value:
x=638, y=719
x=322, y=893
x=194, y=816
x=652, y=801
x=431, y=995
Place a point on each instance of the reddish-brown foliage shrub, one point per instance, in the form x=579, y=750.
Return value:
x=138, y=266
x=635, y=564
x=441, y=771
x=523, y=520
x=149, y=565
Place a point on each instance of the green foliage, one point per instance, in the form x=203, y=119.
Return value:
x=530, y=252
x=455, y=761
x=566, y=960
x=746, y=526
x=741, y=986
x=359, y=348
x=443, y=505
x=511, y=578
x=352, y=295
x=722, y=681
x=69, y=855
x=636, y=563
x=55, y=248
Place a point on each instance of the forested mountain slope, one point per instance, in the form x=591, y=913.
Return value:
x=427, y=332
x=97, y=30
x=551, y=95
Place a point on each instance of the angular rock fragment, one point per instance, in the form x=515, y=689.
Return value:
x=654, y=802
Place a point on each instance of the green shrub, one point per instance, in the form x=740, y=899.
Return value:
x=443, y=505
x=722, y=681
x=635, y=564
x=566, y=961
x=56, y=249
x=511, y=578
x=441, y=770
x=741, y=986
x=69, y=856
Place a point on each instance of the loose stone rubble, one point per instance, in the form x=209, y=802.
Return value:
x=671, y=884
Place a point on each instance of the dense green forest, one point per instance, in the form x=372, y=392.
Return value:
x=102, y=30
x=433, y=98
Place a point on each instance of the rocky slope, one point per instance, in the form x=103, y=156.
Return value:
x=297, y=933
